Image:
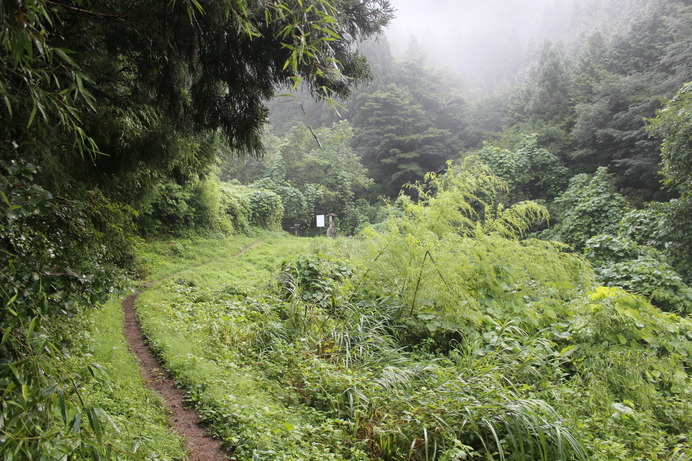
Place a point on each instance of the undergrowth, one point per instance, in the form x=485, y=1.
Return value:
x=425, y=339
x=320, y=358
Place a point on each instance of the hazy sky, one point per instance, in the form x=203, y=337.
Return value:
x=484, y=40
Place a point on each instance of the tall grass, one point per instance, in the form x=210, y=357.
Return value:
x=422, y=346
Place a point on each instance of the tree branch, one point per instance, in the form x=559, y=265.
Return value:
x=82, y=10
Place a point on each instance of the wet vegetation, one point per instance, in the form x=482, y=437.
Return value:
x=511, y=277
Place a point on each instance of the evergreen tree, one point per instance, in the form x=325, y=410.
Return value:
x=673, y=124
x=549, y=99
x=397, y=139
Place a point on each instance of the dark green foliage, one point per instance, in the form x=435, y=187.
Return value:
x=587, y=98
x=673, y=124
x=549, y=98
x=293, y=201
x=677, y=235
x=178, y=209
x=211, y=65
x=588, y=207
x=610, y=131
x=266, y=208
x=407, y=123
x=56, y=257
x=56, y=250
x=531, y=172
x=623, y=80
x=636, y=259
x=153, y=90
x=397, y=139
x=645, y=226
x=618, y=261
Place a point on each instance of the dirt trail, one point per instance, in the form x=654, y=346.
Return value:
x=200, y=445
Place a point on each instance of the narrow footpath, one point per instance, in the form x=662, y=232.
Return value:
x=200, y=445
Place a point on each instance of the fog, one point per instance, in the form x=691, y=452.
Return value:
x=485, y=42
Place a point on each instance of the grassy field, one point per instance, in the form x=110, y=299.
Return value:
x=132, y=421
x=415, y=348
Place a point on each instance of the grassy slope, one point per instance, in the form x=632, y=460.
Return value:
x=267, y=389
x=134, y=424
x=241, y=402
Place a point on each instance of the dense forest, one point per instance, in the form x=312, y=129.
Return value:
x=512, y=277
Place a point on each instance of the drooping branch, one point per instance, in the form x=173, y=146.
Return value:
x=83, y=10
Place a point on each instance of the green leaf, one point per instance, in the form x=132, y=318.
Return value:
x=33, y=114
x=26, y=393
x=95, y=423
x=76, y=423
x=32, y=326
x=62, y=53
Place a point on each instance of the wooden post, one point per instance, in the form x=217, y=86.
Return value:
x=331, y=230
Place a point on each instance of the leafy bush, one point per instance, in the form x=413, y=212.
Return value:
x=266, y=209
x=313, y=280
x=235, y=202
x=672, y=124
x=631, y=360
x=588, y=207
x=56, y=257
x=677, y=235
x=179, y=209
x=618, y=261
x=455, y=264
x=645, y=226
x=531, y=172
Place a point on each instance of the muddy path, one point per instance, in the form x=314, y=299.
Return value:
x=200, y=445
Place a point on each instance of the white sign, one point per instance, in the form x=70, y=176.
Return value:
x=320, y=220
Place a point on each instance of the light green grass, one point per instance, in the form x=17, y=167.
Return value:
x=245, y=409
x=143, y=429
x=163, y=258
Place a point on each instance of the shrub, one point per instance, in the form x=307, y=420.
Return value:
x=180, y=209
x=313, y=280
x=266, y=209
x=588, y=207
x=235, y=203
x=618, y=261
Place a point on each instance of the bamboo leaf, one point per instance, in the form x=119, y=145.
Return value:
x=32, y=115
x=32, y=326
x=95, y=423
x=76, y=423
